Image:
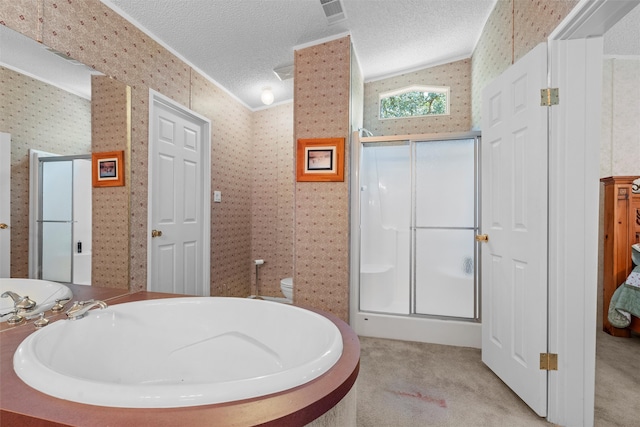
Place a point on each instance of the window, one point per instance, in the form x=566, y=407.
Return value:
x=415, y=101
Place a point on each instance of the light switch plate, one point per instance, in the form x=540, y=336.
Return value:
x=217, y=196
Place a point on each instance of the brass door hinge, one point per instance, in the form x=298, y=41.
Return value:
x=548, y=362
x=549, y=97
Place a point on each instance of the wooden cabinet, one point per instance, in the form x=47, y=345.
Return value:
x=621, y=230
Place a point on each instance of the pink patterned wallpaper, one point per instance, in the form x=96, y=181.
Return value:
x=92, y=33
x=513, y=29
x=492, y=55
x=110, y=131
x=272, y=197
x=231, y=140
x=41, y=117
x=456, y=75
x=95, y=35
x=24, y=16
x=533, y=21
x=321, y=98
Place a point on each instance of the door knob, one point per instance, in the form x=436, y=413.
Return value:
x=482, y=237
x=3, y=226
x=156, y=233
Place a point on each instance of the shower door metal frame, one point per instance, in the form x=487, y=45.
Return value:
x=40, y=221
x=412, y=140
x=386, y=142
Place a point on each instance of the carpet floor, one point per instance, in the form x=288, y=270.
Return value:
x=416, y=384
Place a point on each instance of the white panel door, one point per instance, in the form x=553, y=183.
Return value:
x=177, y=203
x=5, y=204
x=514, y=216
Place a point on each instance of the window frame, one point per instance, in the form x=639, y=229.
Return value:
x=416, y=88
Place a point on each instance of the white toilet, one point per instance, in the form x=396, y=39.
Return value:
x=286, y=285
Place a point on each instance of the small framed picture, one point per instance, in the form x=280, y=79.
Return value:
x=320, y=159
x=108, y=169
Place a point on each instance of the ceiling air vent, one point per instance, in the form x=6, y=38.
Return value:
x=284, y=72
x=333, y=10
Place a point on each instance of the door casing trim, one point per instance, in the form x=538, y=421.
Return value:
x=156, y=98
x=575, y=66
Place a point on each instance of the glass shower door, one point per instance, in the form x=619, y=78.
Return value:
x=56, y=220
x=385, y=213
x=445, y=228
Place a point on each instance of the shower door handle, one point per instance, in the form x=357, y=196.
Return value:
x=482, y=237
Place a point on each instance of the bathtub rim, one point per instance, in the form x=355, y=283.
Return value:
x=297, y=406
x=60, y=377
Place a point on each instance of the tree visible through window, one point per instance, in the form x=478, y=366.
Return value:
x=414, y=101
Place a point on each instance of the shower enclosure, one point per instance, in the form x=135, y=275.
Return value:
x=417, y=200
x=64, y=219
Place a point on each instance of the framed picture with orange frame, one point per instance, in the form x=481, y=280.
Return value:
x=320, y=160
x=108, y=169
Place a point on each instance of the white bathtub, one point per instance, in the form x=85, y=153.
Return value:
x=43, y=292
x=179, y=352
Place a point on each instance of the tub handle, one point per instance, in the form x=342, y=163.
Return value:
x=15, y=319
x=59, y=305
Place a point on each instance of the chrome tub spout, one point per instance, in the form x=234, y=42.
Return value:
x=20, y=303
x=79, y=309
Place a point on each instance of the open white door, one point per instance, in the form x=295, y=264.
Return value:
x=5, y=204
x=179, y=199
x=514, y=216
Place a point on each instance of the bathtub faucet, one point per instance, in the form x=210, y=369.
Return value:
x=20, y=303
x=79, y=309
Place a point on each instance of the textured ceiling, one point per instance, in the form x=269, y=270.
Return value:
x=239, y=43
x=624, y=37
